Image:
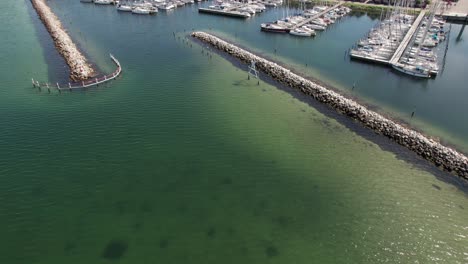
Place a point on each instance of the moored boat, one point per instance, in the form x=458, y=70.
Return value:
x=316, y=27
x=302, y=32
x=271, y=27
x=416, y=71
x=141, y=11
x=124, y=8
x=103, y=2
x=167, y=7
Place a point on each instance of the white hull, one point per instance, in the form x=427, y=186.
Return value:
x=301, y=33
x=103, y=2
x=124, y=8
x=411, y=72
x=141, y=11
x=167, y=8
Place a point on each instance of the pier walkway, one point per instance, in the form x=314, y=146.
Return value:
x=456, y=11
x=83, y=84
x=316, y=16
x=406, y=40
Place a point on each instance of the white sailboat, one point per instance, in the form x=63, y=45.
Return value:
x=103, y=2
x=302, y=32
x=124, y=8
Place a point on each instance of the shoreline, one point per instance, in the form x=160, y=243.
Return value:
x=442, y=156
x=80, y=69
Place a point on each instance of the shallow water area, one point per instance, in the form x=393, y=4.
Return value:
x=185, y=160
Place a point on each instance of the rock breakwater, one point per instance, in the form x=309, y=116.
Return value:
x=431, y=150
x=80, y=69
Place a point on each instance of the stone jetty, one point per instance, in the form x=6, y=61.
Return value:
x=443, y=157
x=80, y=69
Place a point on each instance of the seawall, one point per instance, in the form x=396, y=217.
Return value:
x=443, y=157
x=80, y=69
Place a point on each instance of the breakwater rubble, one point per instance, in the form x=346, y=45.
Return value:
x=443, y=157
x=80, y=69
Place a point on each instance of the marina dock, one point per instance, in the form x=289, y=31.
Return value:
x=455, y=12
x=298, y=25
x=406, y=40
x=399, y=50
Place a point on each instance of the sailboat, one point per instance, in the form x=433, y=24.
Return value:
x=124, y=8
x=103, y=2
x=302, y=32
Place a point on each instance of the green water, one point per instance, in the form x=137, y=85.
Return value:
x=183, y=160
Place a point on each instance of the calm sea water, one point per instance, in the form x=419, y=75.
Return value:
x=183, y=160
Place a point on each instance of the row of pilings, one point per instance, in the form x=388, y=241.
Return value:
x=443, y=157
x=80, y=69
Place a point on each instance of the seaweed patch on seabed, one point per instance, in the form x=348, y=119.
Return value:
x=114, y=250
x=146, y=207
x=226, y=181
x=260, y=208
x=230, y=231
x=120, y=207
x=137, y=226
x=271, y=251
x=182, y=208
x=69, y=246
x=211, y=232
x=241, y=83
x=283, y=221
x=164, y=243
